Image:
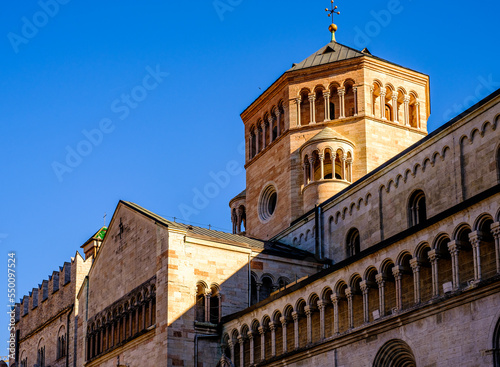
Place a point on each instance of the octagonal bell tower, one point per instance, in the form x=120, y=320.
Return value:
x=324, y=124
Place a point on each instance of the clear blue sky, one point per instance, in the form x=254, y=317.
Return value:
x=67, y=71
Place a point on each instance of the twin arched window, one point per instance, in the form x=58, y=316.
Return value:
x=61, y=344
x=417, y=210
x=208, y=304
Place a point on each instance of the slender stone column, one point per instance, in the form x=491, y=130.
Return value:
x=326, y=95
x=231, y=348
x=407, y=110
x=308, y=312
x=495, y=230
x=207, y=307
x=372, y=94
x=306, y=177
x=475, y=240
x=417, y=111
x=297, y=101
x=395, y=114
x=295, y=317
x=262, y=332
x=265, y=127
x=434, y=258
x=350, y=310
x=284, y=322
x=258, y=286
x=257, y=138
x=278, y=121
x=271, y=129
x=321, y=307
x=365, y=288
x=344, y=159
x=311, y=170
x=398, y=274
x=335, y=300
x=341, y=92
x=383, y=93
x=322, y=165
x=415, y=265
x=454, y=249
x=349, y=170
x=312, y=106
x=355, y=91
x=252, y=347
x=113, y=334
x=272, y=326
x=241, y=340
x=380, y=278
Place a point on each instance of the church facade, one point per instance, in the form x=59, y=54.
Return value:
x=359, y=240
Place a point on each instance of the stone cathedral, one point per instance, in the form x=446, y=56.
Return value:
x=359, y=240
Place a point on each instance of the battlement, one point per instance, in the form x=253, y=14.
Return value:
x=50, y=288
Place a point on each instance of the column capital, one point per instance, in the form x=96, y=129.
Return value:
x=312, y=96
x=335, y=298
x=295, y=316
x=321, y=156
x=250, y=335
x=321, y=304
x=308, y=310
x=383, y=92
x=406, y=99
x=283, y=320
x=495, y=229
x=380, y=279
x=298, y=100
x=365, y=287
x=230, y=343
x=326, y=94
x=355, y=88
x=397, y=271
x=433, y=256
x=349, y=293
x=272, y=326
x=241, y=339
x=415, y=264
x=341, y=91
x=475, y=238
x=262, y=330
x=454, y=247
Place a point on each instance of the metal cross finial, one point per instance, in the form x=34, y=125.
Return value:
x=332, y=11
x=333, y=27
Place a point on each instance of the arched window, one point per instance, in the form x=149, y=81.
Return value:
x=200, y=302
x=353, y=242
x=41, y=356
x=61, y=343
x=254, y=296
x=282, y=282
x=215, y=305
x=417, y=210
x=266, y=288
x=388, y=112
x=395, y=353
x=305, y=109
x=253, y=143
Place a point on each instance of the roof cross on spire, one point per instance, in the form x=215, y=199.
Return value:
x=333, y=27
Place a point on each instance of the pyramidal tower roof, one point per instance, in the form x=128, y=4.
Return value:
x=330, y=53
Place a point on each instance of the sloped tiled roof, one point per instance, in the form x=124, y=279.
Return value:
x=266, y=247
x=326, y=133
x=332, y=52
